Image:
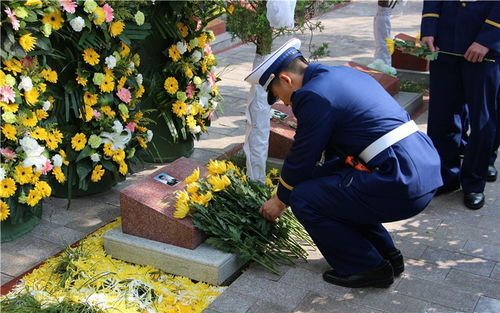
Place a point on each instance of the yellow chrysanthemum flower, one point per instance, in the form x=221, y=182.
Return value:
x=89, y=98
x=230, y=9
x=192, y=188
x=140, y=91
x=106, y=110
x=182, y=29
x=142, y=143
x=31, y=121
x=54, y=19
x=108, y=150
x=11, y=107
x=99, y=16
x=193, y=177
x=89, y=113
x=7, y=187
x=27, y=42
x=202, y=40
x=179, y=108
x=78, y=141
x=23, y=175
x=13, y=65
x=125, y=50
x=191, y=122
x=181, y=205
x=90, y=56
x=56, y=133
x=2, y=78
x=123, y=169
x=4, y=211
x=171, y=85
x=49, y=75
x=216, y=167
x=33, y=2
x=42, y=87
x=43, y=189
x=33, y=197
x=59, y=175
x=118, y=155
x=108, y=85
x=39, y=133
x=174, y=53
x=390, y=45
x=116, y=28
x=97, y=173
x=204, y=199
x=81, y=81
x=121, y=82
x=63, y=155
x=36, y=177
x=9, y=131
x=51, y=143
x=188, y=72
x=41, y=114
x=31, y=96
x=219, y=182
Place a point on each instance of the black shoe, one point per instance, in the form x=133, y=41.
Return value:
x=396, y=259
x=492, y=174
x=380, y=277
x=446, y=189
x=474, y=200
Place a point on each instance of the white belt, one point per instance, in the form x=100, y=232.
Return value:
x=388, y=140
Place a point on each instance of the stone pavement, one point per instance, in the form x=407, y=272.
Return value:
x=452, y=254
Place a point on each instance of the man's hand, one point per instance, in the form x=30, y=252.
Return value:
x=272, y=208
x=476, y=53
x=429, y=42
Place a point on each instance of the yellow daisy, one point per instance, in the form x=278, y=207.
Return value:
x=57, y=135
x=106, y=110
x=63, y=155
x=27, y=42
x=108, y=150
x=99, y=16
x=42, y=87
x=4, y=211
x=90, y=56
x=179, y=108
x=23, y=175
x=188, y=72
x=173, y=53
x=89, y=98
x=81, y=81
x=140, y=91
x=123, y=168
x=2, y=78
x=11, y=107
x=125, y=50
x=7, y=187
x=78, y=141
x=39, y=133
x=116, y=28
x=191, y=122
x=49, y=75
x=121, y=83
x=108, y=85
x=58, y=173
x=31, y=96
x=43, y=188
x=51, y=143
x=230, y=9
x=141, y=142
x=41, y=114
x=97, y=173
x=202, y=39
x=9, y=131
x=33, y=2
x=13, y=66
x=118, y=155
x=171, y=85
x=182, y=29
x=89, y=113
x=30, y=121
x=33, y=197
x=36, y=177
x=54, y=19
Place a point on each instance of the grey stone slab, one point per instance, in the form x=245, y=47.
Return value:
x=4, y=278
x=95, y=219
x=14, y=264
x=35, y=248
x=270, y=291
x=410, y=101
x=420, y=222
x=495, y=274
x=419, y=239
x=489, y=222
x=438, y=293
x=487, y=305
x=436, y=308
x=423, y=270
x=318, y=303
x=409, y=248
x=258, y=270
x=203, y=155
x=461, y=231
x=447, y=259
x=55, y=233
x=268, y=307
x=473, y=284
x=231, y=301
x=315, y=262
x=311, y=281
x=391, y=301
x=205, y=263
x=483, y=250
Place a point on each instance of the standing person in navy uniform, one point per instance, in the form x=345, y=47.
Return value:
x=393, y=174
x=471, y=28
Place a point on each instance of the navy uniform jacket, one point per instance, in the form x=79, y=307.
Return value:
x=343, y=107
x=457, y=24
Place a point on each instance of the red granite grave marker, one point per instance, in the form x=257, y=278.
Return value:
x=147, y=207
x=390, y=83
x=281, y=135
x=406, y=61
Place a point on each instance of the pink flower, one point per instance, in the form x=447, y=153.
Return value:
x=109, y=12
x=124, y=95
x=207, y=50
x=190, y=89
x=13, y=19
x=8, y=154
x=96, y=114
x=211, y=115
x=68, y=5
x=7, y=94
x=211, y=78
x=47, y=167
x=131, y=126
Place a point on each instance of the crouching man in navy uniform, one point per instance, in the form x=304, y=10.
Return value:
x=393, y=174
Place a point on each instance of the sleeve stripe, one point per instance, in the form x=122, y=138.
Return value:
x=492, y=23
x=430, y=15
x=287, y=186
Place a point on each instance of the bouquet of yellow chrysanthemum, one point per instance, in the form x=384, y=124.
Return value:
x=225, y=205
x=30, y=139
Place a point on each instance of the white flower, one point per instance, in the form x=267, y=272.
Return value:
x=150, y=135
x=196, y=129
x=131, y=66
x=77, y=24
x=95, y=157
x=196, y=56
x=25, y=83
x=46, y=105
x=110, y=62
x=182, y=47
x=139, y=79
x=2, y=173
x=205, y=89
x=33, y=153
x=204, y=101
x=57, y=160
x=117, y=126
x=116, y=138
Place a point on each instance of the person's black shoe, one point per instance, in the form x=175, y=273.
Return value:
x=474, y=200
x=380, y=277
x=396, y=259
x=492, y=174
x=446, y=189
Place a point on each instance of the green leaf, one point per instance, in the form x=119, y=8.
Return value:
x=44, y=43
x=86, y=152
x=83, y=169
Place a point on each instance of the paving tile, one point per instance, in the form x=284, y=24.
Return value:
x=483, y=250
x=420, y=240
x=5, y=278
x=14, y=264
x=474, y=233
x=495, y=274
x=420, y=222
x=487, y=305
x=473, y=284
x=438, y=293
x=436, y=308
x=270, y=291
x=257, y=270
x=489, y=222
x=315, y=262
x=56, y=233
x=409, y=248
x=424, y=270
x=391, y=301
x=267, y=307
x=317, y=303
x=231, y=301
x=447, y=259
x=312, y=281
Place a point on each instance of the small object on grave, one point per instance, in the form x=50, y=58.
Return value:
x=147, y=206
